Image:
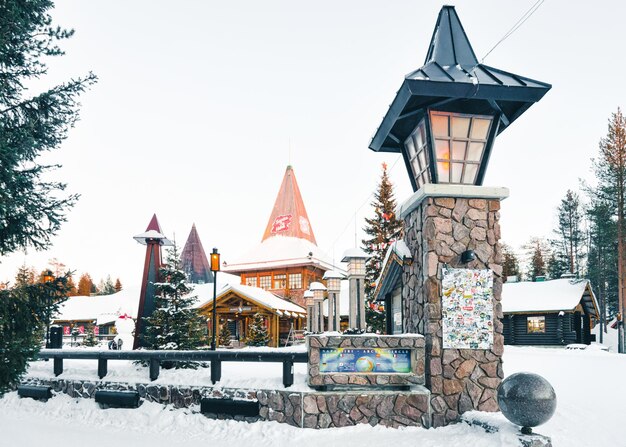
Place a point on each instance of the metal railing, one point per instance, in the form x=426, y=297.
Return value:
x=154, y=359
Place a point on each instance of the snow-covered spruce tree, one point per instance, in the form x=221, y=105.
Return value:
x=257, y=332
x=382, y=229
x=175, y=324
x=90, y=338
x=24, y=311
x=224, y=338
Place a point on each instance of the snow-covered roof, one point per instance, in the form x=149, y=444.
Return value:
x=254, y=294
x=102, y=308
x=547, y=296
x=354, y=253
x=333, y=274
x=317, y=286
x=280, y=251
x=396, y=256
x=107, y=308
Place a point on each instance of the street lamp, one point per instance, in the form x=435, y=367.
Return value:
x=356, y=258
x=215, y=267
x=318, y=290
x=309, y=302
x=333, y=283
x=48, y=277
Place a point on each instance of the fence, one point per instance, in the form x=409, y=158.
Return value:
x=154, y=358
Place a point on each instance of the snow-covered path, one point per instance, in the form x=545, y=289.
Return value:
x=590, y=412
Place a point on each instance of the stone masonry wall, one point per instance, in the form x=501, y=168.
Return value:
x=437, y=232
x=413, y=342
x=299, y=408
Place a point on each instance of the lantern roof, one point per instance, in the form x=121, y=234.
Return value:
x=452, y=79
x=333, y=274
x=354, y=253
x=153, y=233
x=317, y=286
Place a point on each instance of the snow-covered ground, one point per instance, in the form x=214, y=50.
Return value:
x=588, y=384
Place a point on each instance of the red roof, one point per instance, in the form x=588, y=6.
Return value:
x=154, y=224
x=289, y=217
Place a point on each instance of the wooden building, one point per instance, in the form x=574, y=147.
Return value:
x=237, y=304
x=288, y=259
x=557, y=312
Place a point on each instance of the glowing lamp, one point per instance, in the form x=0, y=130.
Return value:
x=215, y=261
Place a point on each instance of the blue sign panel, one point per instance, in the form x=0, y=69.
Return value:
x=366, y=361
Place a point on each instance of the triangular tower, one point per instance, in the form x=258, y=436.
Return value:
x=153, y=239
x=194, y=261
x=288, y=259
x=289, y=217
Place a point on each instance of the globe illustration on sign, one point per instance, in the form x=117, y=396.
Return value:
x=364, y=364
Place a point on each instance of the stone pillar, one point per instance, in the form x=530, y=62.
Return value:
x=318, y=302
x=437, y=231
x=357, y=301
x=308, y=298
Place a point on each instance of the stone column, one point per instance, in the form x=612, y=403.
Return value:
x=437, y=231
x=308, y=298
x=318, y=302
x=357, y=301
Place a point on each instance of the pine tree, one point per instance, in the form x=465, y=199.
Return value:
x=90, y=337
x=24, y=276
x=106, y=286
x=567, y=253
x=510, y=266
x=33, y=207
x=610, y=170
x=537, y=252
x=85, y=285
x=257, y=332
x=382, y=229
x=25, y=310
x=225, y=335
x=602, y=260
x=118, y=285
x=175, y=324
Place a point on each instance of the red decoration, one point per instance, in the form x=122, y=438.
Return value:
x=96, y=330
x=66, y=330
x=281, y=223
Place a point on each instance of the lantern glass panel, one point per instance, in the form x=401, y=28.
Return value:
x=457, y=170
x=469, y=175
x=443, y=172
x=480, y=128
x=460, y=126
x=458, y=150
x=439, y=124
x=475, y=151
x=459, y=139
x=416, y=149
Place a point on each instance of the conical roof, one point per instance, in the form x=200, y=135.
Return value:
x=289, y=217
x=451, y=79
x=194, y=261
x=153, y=232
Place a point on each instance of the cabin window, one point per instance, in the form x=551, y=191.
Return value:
x=265, y=282
x=536, y=325
x=295, y=281
x=251, y=281
x=280, y=281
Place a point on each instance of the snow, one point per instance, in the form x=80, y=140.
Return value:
x=588, y=385
x=103, y=308
x=254, y=294
x=354, y=253
x=279, y=251
x=542, y=296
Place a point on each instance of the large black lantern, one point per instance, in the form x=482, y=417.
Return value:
x=446, y=115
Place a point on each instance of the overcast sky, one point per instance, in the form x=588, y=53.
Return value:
x=199, y=103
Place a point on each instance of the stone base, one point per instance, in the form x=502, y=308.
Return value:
x=307, y=409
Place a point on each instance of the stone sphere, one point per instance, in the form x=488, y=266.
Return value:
x=526, y=399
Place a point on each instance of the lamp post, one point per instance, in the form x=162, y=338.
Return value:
x=333, y=283
x=48, y=277
x=318, y=290
x=215, y=267
x=355, y=257
x=308, y=299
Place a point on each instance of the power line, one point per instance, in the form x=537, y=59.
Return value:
x=515, y=27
